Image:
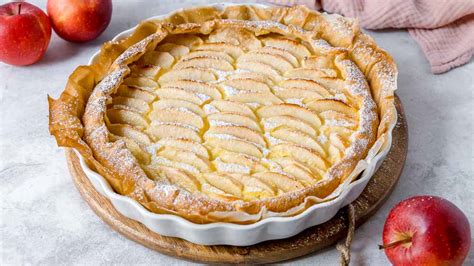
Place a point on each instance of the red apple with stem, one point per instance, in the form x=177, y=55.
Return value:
x=79, y=21
x=25, y=32
x=426, y=230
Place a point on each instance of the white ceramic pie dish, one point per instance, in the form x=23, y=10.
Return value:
x=235, y=234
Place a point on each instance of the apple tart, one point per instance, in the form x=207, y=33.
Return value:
x=232, y=115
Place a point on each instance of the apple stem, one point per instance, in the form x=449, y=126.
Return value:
x=19, y=8
x=396, y=243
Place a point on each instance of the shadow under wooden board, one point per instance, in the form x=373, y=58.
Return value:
x=308, y=241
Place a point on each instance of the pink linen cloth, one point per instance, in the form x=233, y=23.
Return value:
x=443, y=28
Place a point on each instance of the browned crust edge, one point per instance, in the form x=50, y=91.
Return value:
x=68, y=129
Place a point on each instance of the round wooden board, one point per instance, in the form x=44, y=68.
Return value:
x=310, y=240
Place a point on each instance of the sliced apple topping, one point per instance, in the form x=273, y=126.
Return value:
x=226, y=183
x=205, y=62
x=141, y=155
x=232, y=119
x=281, y=52
x=173, y=103
x=197, y=87
x=185, y=144
x=160, y=131
x=239, y=132
x=331, y=104
x=133, y=104
x=319, y=62
x=281, y=182
x=230, y=49
x=179, y=177
x=296, y=93
x=299, y=138
x=301, y=173
x=161, y=59
x=217, y=142
x=306, y=84
x=295, y=48
x=303, y=155
x=141, y=83
x=209, y=54
x=176, y=50
x=251, y=163
x=263, y=98
x=289, y=121
x=311, y=74
x=245, y=74
x=122, y=116
x=235, y=36
x=255, y=187
x=249, y=85
x=276, y=61
x=180, y=94
x=187, y=157
x=136, y=93
x=191, y=73
x=177, y=115
x=149, y=71
x=260, y=68
x=130, y=132
x=230, y=107
x=290, y=110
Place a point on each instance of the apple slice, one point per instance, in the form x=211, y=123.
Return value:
x=255, y=187
x=299, y=138
x=335, y=155
x=160, y=131
x=236, y=36
x=187, y=157
x=173, y=103
x=302, y=174
x=311, y=74
x=338, y=142
x=179, y=177
x=191, y=73
x=226, y=183
x=141, y=83
x=189, y=40
x=230, y=107
x=239, y=132
x=136, y=93
x=209, y=54
x=177, y=115
x=296, y=93
x=282, y=182
x=133, y=104
x=232, y=144
x=185, y=144
x=232, y=50
x=176, y=50
x=281, y=52
x=204, y=62
x=249, y=85
x=180, y=94
x=276, y=121
x=198, y=87
x=130, y=132
x=232, y=119
x=278, y=62
x=263, y=98
x=161, y=59
x=300, y=154
x=142, y=156
x=252, y=163
x=295, y=48
x=244, y=74
x=290, y=110
x=307, y=85
x=260, y=68
x=122, y=116
x=331, y=104
x=148, y=71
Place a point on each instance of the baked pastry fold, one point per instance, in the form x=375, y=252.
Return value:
x=231, y=115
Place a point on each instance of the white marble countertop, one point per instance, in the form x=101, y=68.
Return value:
x=45, y=221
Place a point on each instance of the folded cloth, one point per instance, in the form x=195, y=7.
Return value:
x=443, y=28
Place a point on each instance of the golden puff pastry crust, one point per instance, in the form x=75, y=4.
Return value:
x=230, y=115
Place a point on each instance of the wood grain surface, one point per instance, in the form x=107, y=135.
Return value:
x=308, y=241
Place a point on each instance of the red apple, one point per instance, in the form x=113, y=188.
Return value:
x=79, y=21
x=426, y=230
x=25, y=32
